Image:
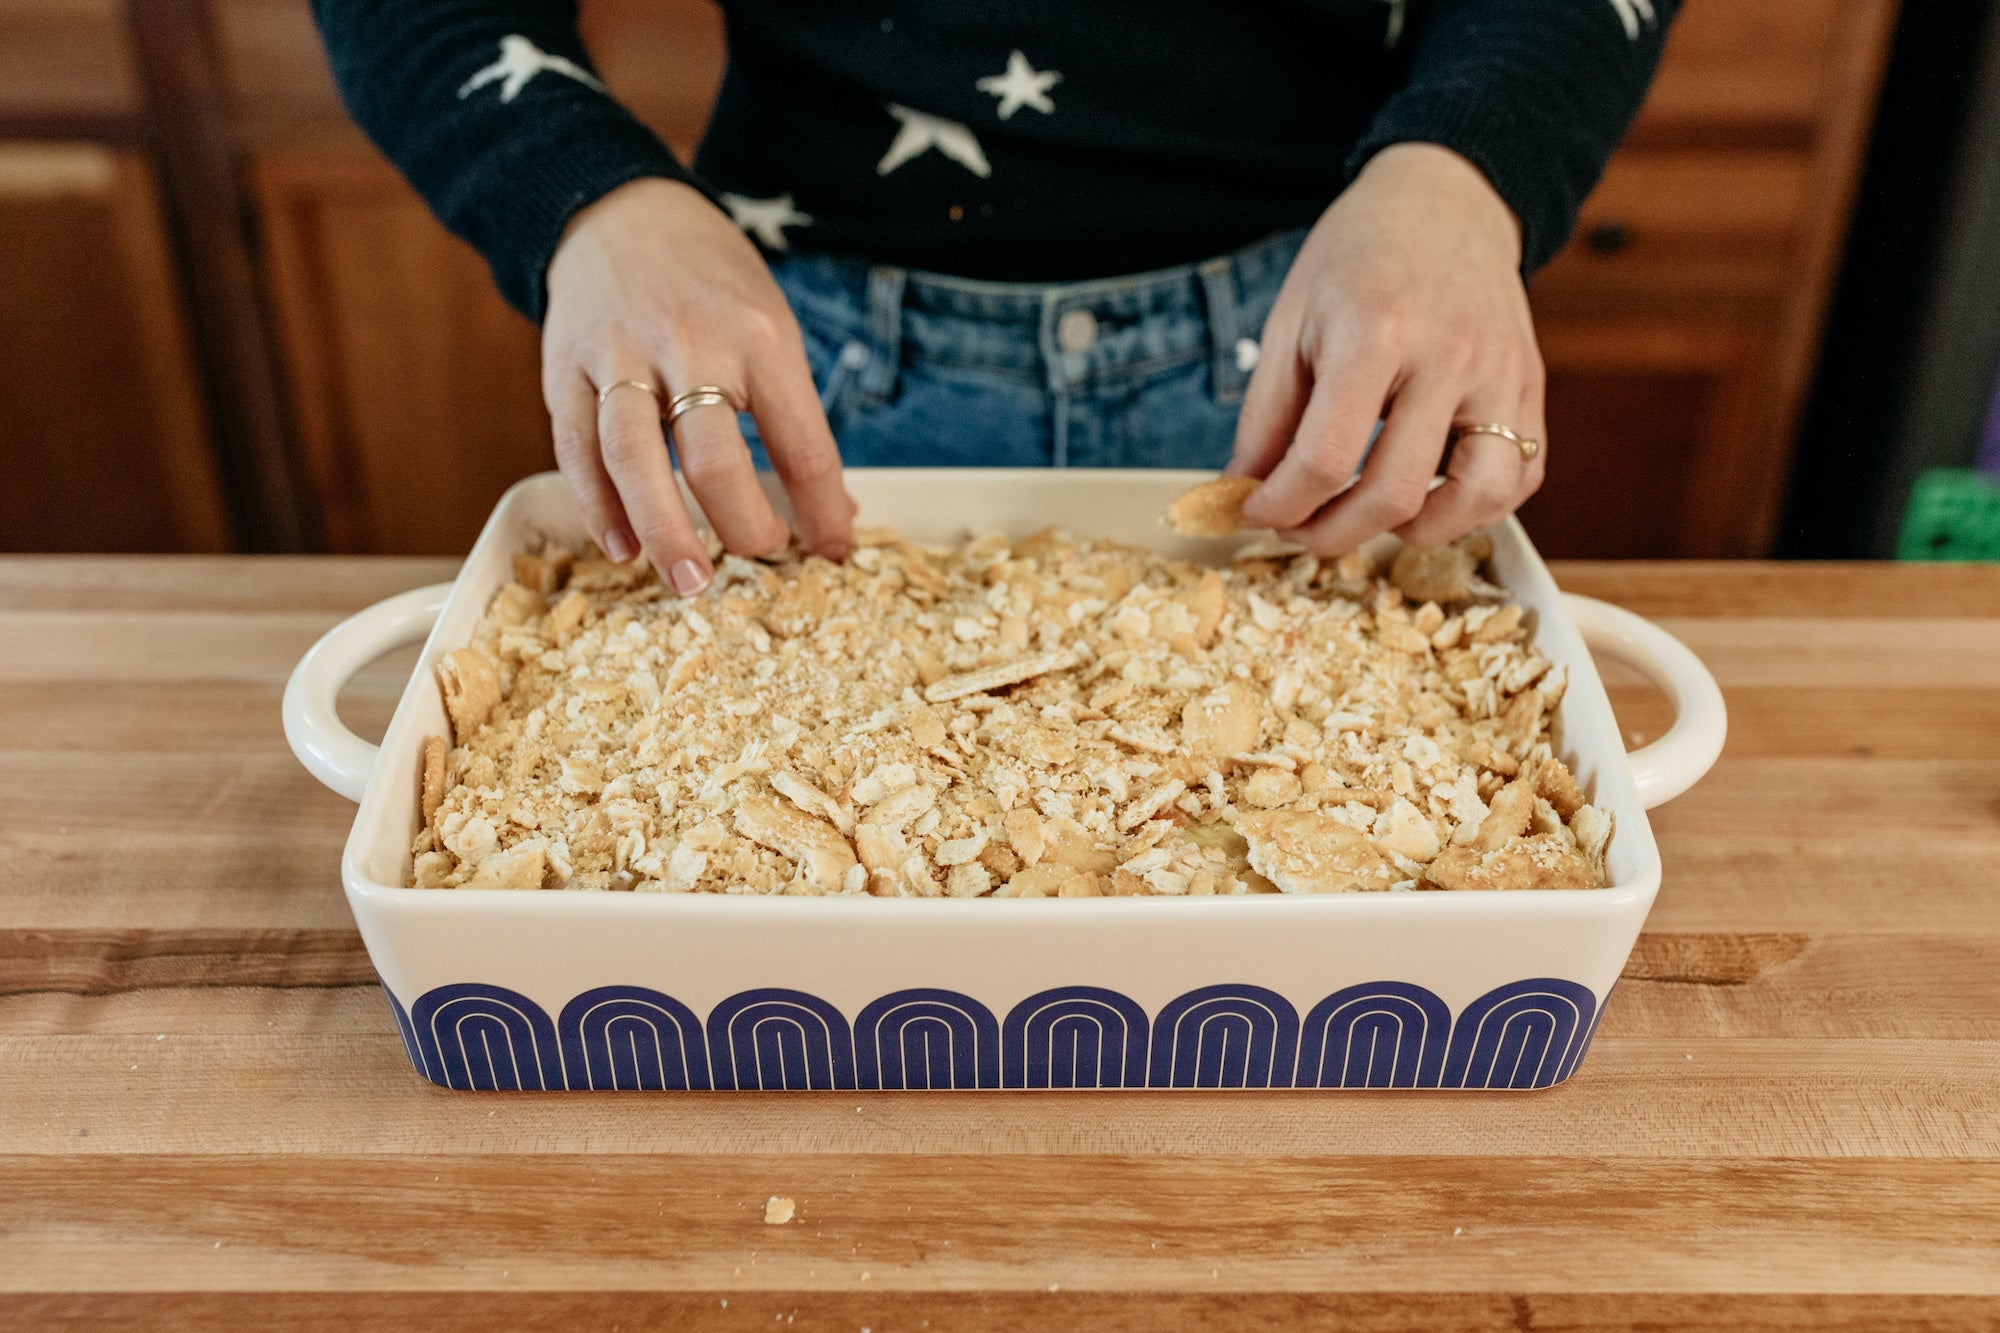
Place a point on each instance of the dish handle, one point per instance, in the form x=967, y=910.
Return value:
x=1677, y=760
x=330, y=752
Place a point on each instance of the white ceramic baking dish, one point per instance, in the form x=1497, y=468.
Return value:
x=550, y=990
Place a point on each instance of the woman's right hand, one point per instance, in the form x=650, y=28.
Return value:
x=653, y=283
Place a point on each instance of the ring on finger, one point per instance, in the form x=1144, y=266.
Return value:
x=701, y=395
x=1527, y=444
x=613, y=387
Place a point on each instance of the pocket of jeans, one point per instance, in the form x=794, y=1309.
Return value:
x=836, y=387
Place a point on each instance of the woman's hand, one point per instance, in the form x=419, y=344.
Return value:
x=1405, y=304
x=652, y=283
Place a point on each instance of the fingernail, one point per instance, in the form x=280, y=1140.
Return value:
x=689, y=577
x=618, y=544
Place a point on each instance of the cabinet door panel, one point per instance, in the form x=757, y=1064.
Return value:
x=1645, y=423
x=415, y=390
x=104, y=441
x=1702, y=233
x=66, y=58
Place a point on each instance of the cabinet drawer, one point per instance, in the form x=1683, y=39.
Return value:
x=1762, y=68
x=66, y=58
x=1684, y=231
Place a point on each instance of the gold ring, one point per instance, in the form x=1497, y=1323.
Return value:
x=1528, y=445
x=609, y=389
x=701, y=395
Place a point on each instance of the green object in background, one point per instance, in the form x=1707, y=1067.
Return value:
x=1954, y=514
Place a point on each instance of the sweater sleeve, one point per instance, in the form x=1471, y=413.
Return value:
x=492, y=111
x=1535, y=93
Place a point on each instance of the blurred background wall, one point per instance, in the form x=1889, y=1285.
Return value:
x=225, y=324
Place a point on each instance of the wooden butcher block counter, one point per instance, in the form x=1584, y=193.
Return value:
x=1790, y=1118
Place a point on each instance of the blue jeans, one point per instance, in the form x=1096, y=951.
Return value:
x=924, y=370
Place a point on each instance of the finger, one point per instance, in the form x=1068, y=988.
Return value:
x=1273, y=402
x=1348, y=392
x=1487, y=478
x=802, y=451
x=1481, y=484
x=634, y=449
x=1392, y=487
x=716, y=462
x=572, y=405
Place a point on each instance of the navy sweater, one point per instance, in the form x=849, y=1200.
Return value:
x=1004, y=139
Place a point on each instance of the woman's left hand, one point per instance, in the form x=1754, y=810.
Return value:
x=1404, y=305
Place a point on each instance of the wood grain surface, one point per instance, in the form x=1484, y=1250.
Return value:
x=1790, y=1118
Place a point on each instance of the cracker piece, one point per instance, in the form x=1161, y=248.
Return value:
x=822, y=854
x=433, y=785
x=1440, y=574
x=1206, y=600
x=778, y=1210
x=544, y=572
x=1502, y=624
x=1592, y=829
x=981, y=680
x=1024, y=834
x=566, y=617
x=1226, y=720
x=1212, y=509
x=968, y=880
x=522, y=866
x=1557, y=785
x=1304, y=851
x=811, y=800
x=1507, y=815
x=897, y=809
x=471, y=686
x=1403, y=830
x=1271, y=788
x=1040, y=881
x=1544, y=861
x=1081, y=886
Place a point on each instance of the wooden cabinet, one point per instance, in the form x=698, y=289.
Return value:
x=1680, y=324
x=103, y=437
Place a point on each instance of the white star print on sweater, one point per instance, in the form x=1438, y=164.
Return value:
x=766, y=219
x=521, y=60
x=922, y=132
x=1631, y=11
x=1022, y=85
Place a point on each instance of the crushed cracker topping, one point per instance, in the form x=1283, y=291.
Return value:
x=1051, y=717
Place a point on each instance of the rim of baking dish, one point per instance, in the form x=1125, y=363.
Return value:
x=1633, y=853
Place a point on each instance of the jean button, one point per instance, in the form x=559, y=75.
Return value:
x=1076, y=330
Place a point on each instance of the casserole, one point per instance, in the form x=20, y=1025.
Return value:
x=551, y=990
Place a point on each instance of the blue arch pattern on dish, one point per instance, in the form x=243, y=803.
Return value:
x=779, y=1040
x=1075, y=1037
x=1229, y=1036
x=409, y=1034
x=926, y=1038
x=629, y=1037
x=486, y=1037
x=1380, y=1034
x=1526, y=1034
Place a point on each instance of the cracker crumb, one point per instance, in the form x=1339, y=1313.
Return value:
x=778, y=1210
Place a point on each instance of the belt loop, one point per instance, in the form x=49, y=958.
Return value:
x=885, y=332
x=1218, y=285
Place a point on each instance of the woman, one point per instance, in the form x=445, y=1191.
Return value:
x=1325, y=206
